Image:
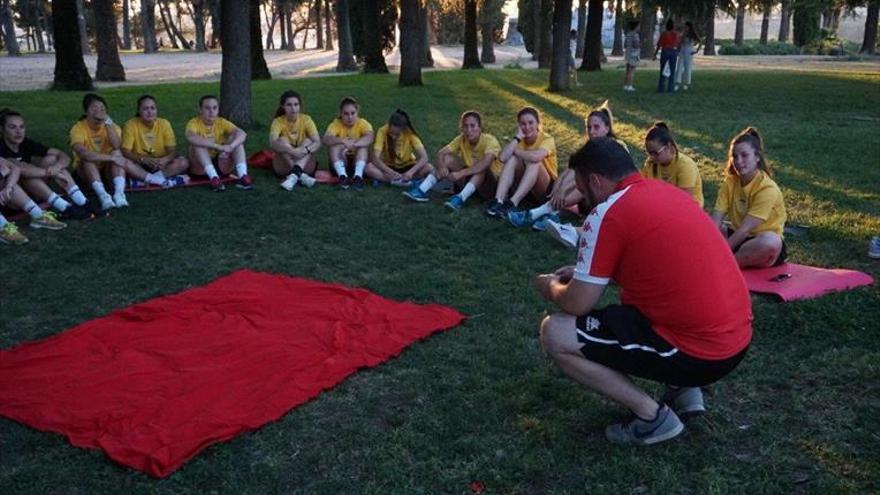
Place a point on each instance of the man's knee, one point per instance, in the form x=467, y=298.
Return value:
x=557, y=333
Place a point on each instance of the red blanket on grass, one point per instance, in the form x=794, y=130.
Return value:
x=155, y=383
x=791, y=282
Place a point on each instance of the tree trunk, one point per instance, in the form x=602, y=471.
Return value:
x=259, y=69
x=647, y=22
x=785, y=21
x=593, y=49
x=9, y=39
x=319, y=26
x=126, y=25
x=869, y=43
x=426, y=59
x=38, y=27
x=545, y=57
x=282, y=16
x=308, y=23
x=740, y=22
x=198, y=15
x=345, y=62
x=270, y=32
x=328, y=40
x=471, y=56
x=410, y=43
x=81, y=21
x=537, y=25
x=215, y=23
x=235, y=72
x=70, y=68
x=581, y=30
x=708, y=22
x=765, y=20
x=617, y=47
x=288, y=14
x=562, y=44
x=487, y=31
x=168, y=23
x=109, y=66
x=148, y=25
x=374, y=59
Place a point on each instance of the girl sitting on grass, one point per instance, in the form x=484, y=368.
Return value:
x=399, y=157
x=294, y=139
x=12, y=196
x=753, y=203
x=148, y=140
x=667, y=163
x=348, y=139
x=216, y=144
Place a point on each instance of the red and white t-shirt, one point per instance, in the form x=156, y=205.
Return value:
x=671, y=264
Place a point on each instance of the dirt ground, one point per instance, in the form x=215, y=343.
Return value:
x=34, y=71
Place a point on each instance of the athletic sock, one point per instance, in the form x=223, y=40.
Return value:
x=76, y=195
x=32, y=209
x=98, y=186
x=359, y=167
x=428, y=183
x=119, y=185
x=297, y=170
x=465, y=193
x=240, y=169
x=155, y=178
x=210, y=171
x=339, y=167
x=544, y=209
x=58, y=203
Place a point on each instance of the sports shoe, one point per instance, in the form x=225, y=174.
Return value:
x=120, y=200
x=493, y=209
x=540, y=224
x=634, y=430
x=9, y=234
x=290, y=182
x=137, y=184
x=76, y=212
x=175, y=181
x=344, y=182
x=47, y=221
x=454, y=203
x=217, y=185
x=520, y=218
x=416, y=194
x=107, y=202
x=358, y=183
x=685, y=401
x=245, y=183
x=874, y=248
x=505, y=207
x=307, y=180
x=564, y=233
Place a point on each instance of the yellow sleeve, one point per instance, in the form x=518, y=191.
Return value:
x=549, y=144
x=492, y=146
x=366, y=126
x=277, y=128
x=416, y=143
x=78, y=135
x=379, y=142
x=688, y=174
x=310, y=128
x=193, y=126
x=333, y=128
x=128, y=135
x=168, y=136
x=761, y=203
x=227, y=127
x=647, y=170
x=722, y=203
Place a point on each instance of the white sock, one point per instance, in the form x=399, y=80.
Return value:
x=240, y=169
x=155, y=178
x=359, y=167
x=428, y=183
x=210, y=171
x=3, y=221
x=58, y=203
x=465, y=193
x=339, y=167
x=544, y=209
x=119, y=185
x=32, y=209
x=98, y=186
x=76, y=195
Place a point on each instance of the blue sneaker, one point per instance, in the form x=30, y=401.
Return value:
x=416, y=194
x=520, y=218
x=454, y=203
x=540, y=224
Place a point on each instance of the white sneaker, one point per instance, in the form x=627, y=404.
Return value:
x=107, y=202
x=564, y=233
x=119, y=200
x=307, y=180
x=290, y=182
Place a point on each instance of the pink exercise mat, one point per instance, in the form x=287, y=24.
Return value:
x=791, y=282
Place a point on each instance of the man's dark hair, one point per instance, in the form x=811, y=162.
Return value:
x=602, y=156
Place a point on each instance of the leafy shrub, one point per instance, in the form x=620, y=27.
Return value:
x=753, y=47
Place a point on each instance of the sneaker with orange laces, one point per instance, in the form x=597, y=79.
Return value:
x=48, y=221
x=9, y=234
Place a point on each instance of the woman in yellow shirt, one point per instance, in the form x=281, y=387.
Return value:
x=470, y=161
x=216, y=143
x=529, y=164
x=665, y=162
x=96, y=143
x=348, y=139
x=752, y=202
x=294, y=139
x=149, y=141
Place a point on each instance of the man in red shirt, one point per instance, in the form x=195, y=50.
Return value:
x=685, y=313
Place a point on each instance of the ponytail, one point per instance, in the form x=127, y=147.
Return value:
x=399, y=119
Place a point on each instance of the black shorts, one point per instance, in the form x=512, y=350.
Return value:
x=623, y=339
x=783, y=253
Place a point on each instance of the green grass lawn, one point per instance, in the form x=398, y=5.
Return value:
x=482, y=401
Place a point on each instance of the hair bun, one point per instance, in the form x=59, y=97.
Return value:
x=661, y=124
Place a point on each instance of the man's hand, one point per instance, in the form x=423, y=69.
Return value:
x=564, y=274
x=544, y=283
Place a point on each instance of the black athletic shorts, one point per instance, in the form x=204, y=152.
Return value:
x=623, y=339
x=783, y=253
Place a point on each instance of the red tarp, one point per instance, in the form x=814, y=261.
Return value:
x=791, y=281
x=155, y=383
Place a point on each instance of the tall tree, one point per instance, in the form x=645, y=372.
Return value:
x=81, y=21
x=593, y=49
x=805, y=20
x=490, y=16
x=581, y=29
x=471, y=55
x=869, y=42
x=109, y=66
x=148, y=25
x=259, y=69
x=617, y=47
x=197, y=9
x=426, y=59
x=328, y=21
x=537, y=26
x=545, y=57
x=647, y=23
x=374, y=56
x=171, y=28
x=6, y=22
x=708, y=18
x=126, y=24
x=740, y=22
x=319, y=27
x=235, y=72
x=345, y=62
x=70, y=68
x=785, y=20
x=766, y=10
x=562, y=44
x=410, y=43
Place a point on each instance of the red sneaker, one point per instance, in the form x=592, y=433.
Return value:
x=217, y=185
x=245, y=183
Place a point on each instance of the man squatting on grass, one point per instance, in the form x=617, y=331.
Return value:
x=685, y=314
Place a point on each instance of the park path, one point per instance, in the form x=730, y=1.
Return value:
x=34, y=71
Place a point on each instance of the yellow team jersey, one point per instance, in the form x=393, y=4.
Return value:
x=95, y=140
x=295, y=132
x=405, y=147
x=760, y=198
x=472, y=153
x=218, y=132
x=357, y=131
x=682, y=172
x=143, y=140
x=546, y=142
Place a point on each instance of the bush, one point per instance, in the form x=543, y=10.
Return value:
x=830, y=44
x=753, y=47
